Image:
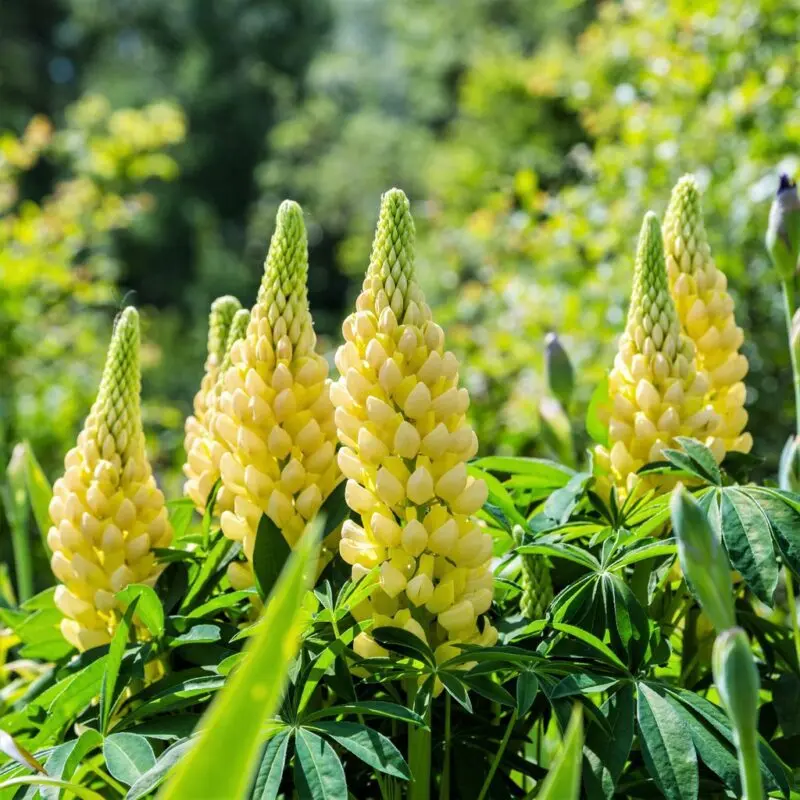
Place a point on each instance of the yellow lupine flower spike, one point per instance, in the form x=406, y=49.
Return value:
x=655, y=391
x=219, y=323
x=705, y=310
x=203, y=459
x=400, y=417
x=106, y=510
x=274, y=416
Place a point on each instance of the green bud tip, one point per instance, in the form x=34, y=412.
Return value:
x=783, y=229
x=219, y=323
x=558, y=369
x=736, y=679
x=392, y=258
x=237, y=330
x=704, y=562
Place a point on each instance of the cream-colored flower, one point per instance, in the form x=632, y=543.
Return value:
x=706, y=313
x=400, y=416
x=655, y=391
x=274, y=416
x=205, y=452
x=106, y=510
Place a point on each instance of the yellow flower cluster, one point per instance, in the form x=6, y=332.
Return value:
x=106, y=510
x=400, y=417
x=199, y=467
x=274, y=415
x=705, y=311
x=655, y=391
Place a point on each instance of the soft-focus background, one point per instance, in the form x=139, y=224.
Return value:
x=147, y=145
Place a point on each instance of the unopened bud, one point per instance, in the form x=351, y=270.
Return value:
x=783, y=230
x=737, y=681
x=789, y=466
x=703, y=560
x=558, y=368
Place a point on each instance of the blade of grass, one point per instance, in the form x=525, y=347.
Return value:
x=221, y=762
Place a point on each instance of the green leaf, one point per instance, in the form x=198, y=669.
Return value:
x=221, y=602
x=669, y=754
x=702, y=457
x=456, y=689
x=180, y=513
x=222, y=761
x=748, y=539
x=148, y=609
x=127, y=756
x=108, y=688
x=334, y=510
x=39, y=494
x=376, y=708
x=713, y=750
x=175, y=696
x=405, y=643
x=784, y=519
x=599, y=410
x=593, y=642
x=158, y=773
x=563, y=781
x=371, y=747
x=498, y=495
x=644, y=551
x=64, y=760
x=269, y=555
x=318, y=772
x=562, y=550
x=268, y=778
x=527, y=689
x=80, y=792
x=209, y=570
x=545, y=472
x=605, y=754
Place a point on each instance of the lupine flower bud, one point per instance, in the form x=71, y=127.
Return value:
x=703, y=560
x=106, y=510
x=705, y=310
x=783, y=231
x=274, y=418
x=223, y=310
x=655, y=392
x=537, y=585
x=737, y=681
x=204, y=456
x=558, y=368
x=401, y=420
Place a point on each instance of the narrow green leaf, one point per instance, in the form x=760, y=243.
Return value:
x=748, y=539
x=318, y=772
x=371, y=747
x=592, y=641
x=598, y=413
x=669, y=754
x=80, y=792
x=222, y=761
x=334, y=510
x=376, y=708
x=148, y=608
x=127, y=756
x=39, y=494
x=784, y=518
x=210, y=569
x=268, y=778
x=498, y=495
x=549, y=473
x=606, y=755
x=703, y=457
x=64, y=760
x=108, y=688
x=563, y=781
x=269, y=555
x=405, y=643
x=527, y=689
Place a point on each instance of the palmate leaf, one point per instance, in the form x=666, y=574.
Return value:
x=318, y=772
x=668, y=752
x=371, y=747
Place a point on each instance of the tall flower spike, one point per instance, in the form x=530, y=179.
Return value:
x=705, y=310
x=106, y=510
x=274, y=417
x=655, y=391
x=203, y=459
x=219, y=323
x=400, y=417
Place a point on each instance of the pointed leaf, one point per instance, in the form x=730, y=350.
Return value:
x=371, y=747
x=268, y=778
x=318, y=772
x=269, y=555
x=563, y=781
x=127, y=756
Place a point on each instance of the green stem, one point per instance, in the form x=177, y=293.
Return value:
x=789, y=309
x=419, y=752
x=498, y=755
x=749, y=767
x=23, y=561
x=792, y=603
x=444, y=786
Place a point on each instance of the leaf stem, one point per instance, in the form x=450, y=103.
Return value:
x=498, y=755
x=789, y=309
x=444, y=786
x=419, y=752
x=749, y=767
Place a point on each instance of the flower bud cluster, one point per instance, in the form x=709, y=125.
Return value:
x=106, y=510
x=400, y=416
x=655, y=391
x=273, y=418
x=705, y=310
